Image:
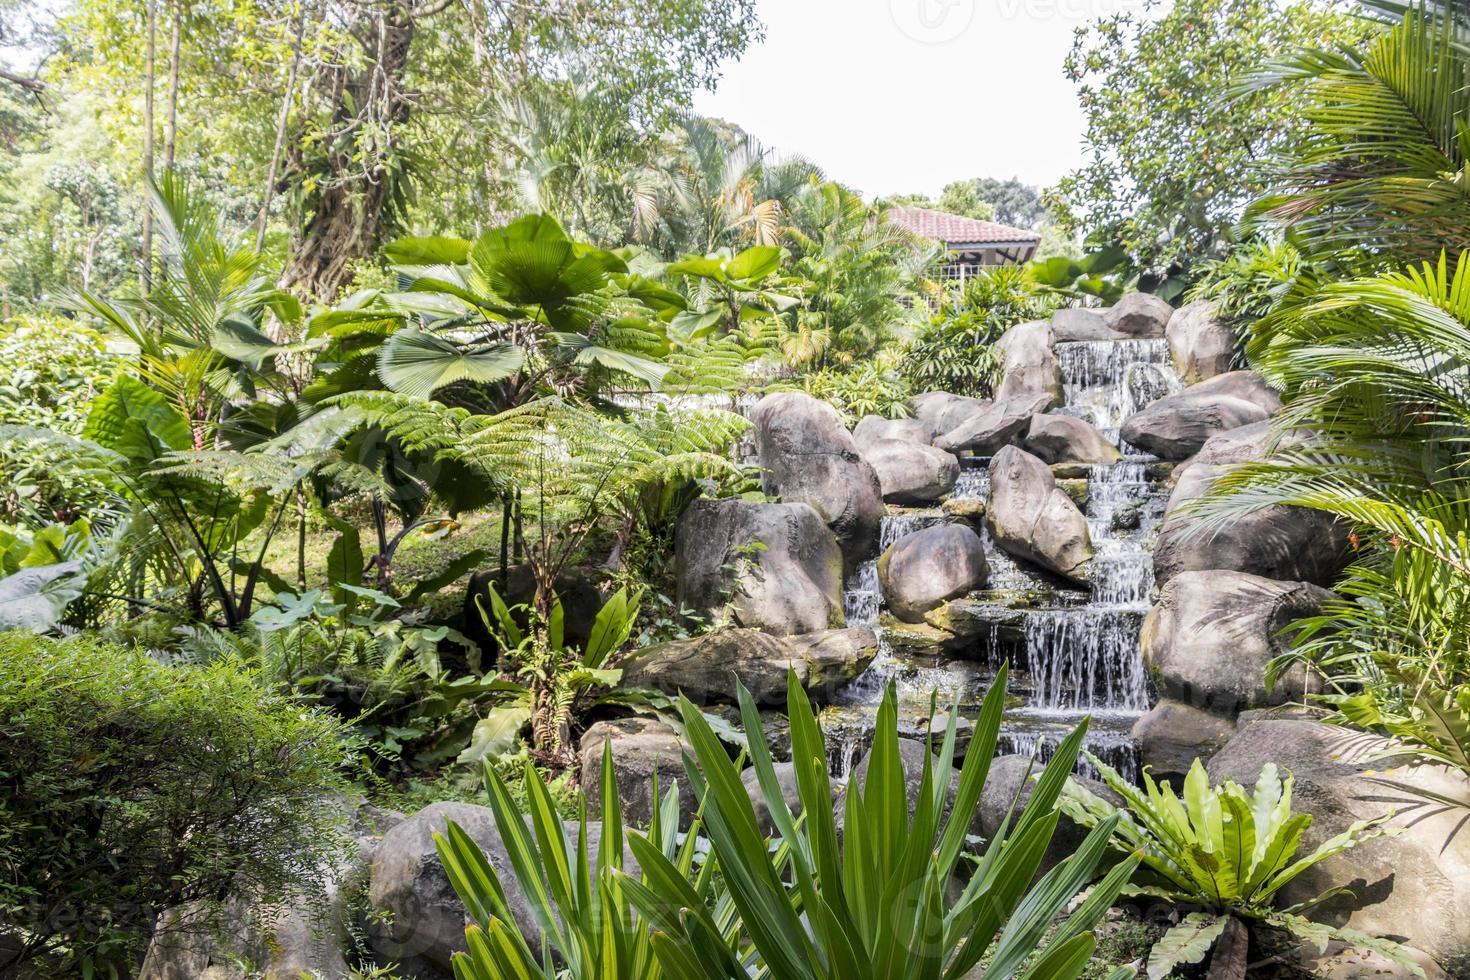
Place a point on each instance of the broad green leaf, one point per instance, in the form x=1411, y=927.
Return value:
x=495, y=735
x=417, y=364
x=427, y=251
x=137, y=421
x=1186, y=943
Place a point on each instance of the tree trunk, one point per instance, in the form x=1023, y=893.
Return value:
x=171, y=123
x=353, y=205
x=281, y=120
x=1231, y=950
x=145, y=275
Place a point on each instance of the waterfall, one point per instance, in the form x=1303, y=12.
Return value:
x=1085, y=660
x=1073, y=652
x=1105, y=381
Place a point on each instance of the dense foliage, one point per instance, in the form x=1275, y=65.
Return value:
x=1174, y=159
x=130, y=788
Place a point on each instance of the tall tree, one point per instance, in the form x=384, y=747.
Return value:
x=1173, y=160
x=408, y=90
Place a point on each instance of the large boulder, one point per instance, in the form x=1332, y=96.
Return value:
x=809, y=457
x=1289, y=543
x=923, y=570
x=871, y=428
x=940, y=411
x=705, y=668
x=1173, y=735
x=1208, y=639
x=1080, y=323
x=911, y=472
x=1032, y=518
x=417, y=918
x=641, y=749
x=1000, y=423
x=1201, y=344
x=1068, y=439
x=774, y=567
x=1177, y=425
x=1414, y=886
x=307, y=934
x=1139, y=315
x=1028, y=364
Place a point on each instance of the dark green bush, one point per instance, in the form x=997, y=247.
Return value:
x=128, y=787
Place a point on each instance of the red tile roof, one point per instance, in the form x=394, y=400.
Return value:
x=953, y=228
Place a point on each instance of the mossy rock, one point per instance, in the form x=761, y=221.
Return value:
x=1076, y=489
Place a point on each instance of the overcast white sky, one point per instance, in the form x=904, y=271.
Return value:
x=906, y=95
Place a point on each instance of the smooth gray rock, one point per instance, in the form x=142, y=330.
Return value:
x=1034, y=519
x=923, y=570
x=1414, y=886
x=1139, y=315
x=1293, y=544
x=1173, y=735
x=871, y=428
x=280, y=940
x=1177, y=425
x=911, y=472
x=1201, y=344
x=704, y=668
x=1068, y=439
x=1028, y=365
x=1080, y=324
x=775, y=567
x=418, y=917
x=940, y=411
x=641, y=748
x=997, y=424
x=1009, y=783
x=810, y=458
x=786, y=779
x=1208, y=639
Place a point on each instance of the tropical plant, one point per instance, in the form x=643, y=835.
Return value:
x=580, y=470
x=1085, y=278
x=549, y=674
x=953, y=351
x=1378, y=175
x=1227, y=851
x=864, y=277
x=714, y=188
x=868, y=388
x=200, y=329
x=577, y=898
x=1247, y=283
x=874, y=902
x=53, y=368
x=132, y=788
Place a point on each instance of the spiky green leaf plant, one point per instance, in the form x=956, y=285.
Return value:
x=1223, y=849
x=580, y=906
x=871, y=900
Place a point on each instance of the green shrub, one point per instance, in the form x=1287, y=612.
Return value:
x=953, y=351
x=869, y=389
x=1222, y=850
x=128, y=787
x=53, y=368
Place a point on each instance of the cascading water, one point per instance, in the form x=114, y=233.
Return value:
x=1105, y=381
x=1077, y=652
